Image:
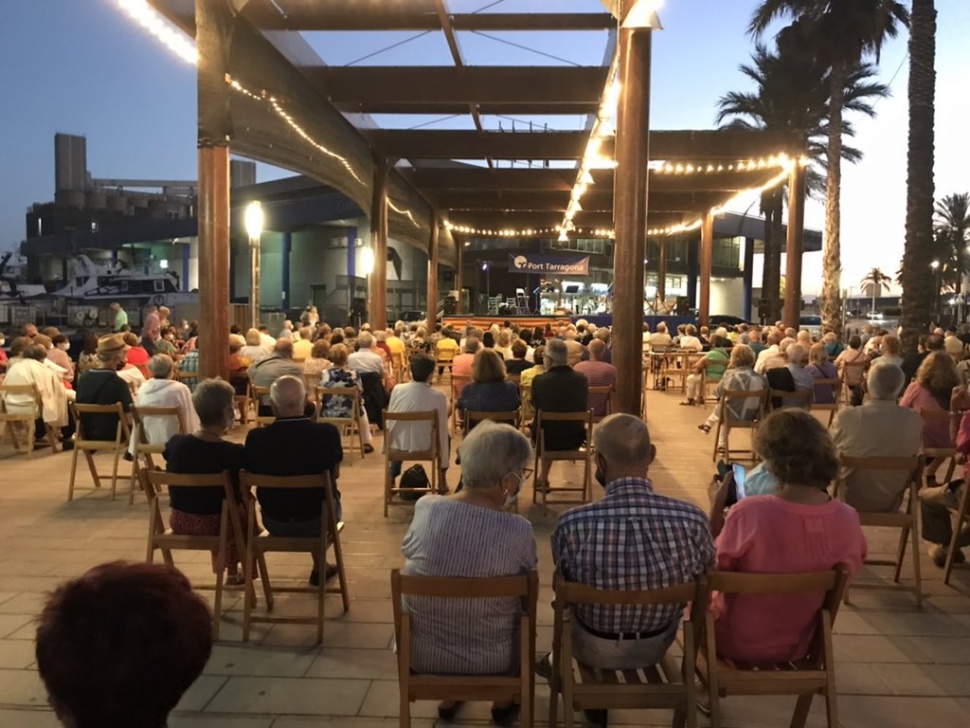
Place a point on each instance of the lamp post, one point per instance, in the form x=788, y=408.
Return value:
x=486, y=266
x=366, y=266
x=254, y=228
x=935, y=265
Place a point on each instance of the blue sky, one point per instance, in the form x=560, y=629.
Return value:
x=80, y=66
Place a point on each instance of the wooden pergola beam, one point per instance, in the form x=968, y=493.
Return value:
x=517, y=220
x=562, y=180
x=419, y=86
x=593, y=201
x=359, y=15
x=678, y=147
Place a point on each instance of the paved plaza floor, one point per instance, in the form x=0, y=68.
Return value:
x=897, y=666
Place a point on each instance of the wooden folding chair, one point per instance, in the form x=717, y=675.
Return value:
x=663, y=686
x=348, y=426
x=430, y=456
x=140, y=447
x=910, y=476
x=835, y=406
x=941, y=419
x=9, y=420
x=584, y=455
x=260, y=396
x=962, y=516
x=242, y=404
x=456, y=381
x=800, y=398
x=163, y=539
x=726, y=423
x=514, y=378
x=526, y=411
x=443, y=360
x=189, y=379
x=473, y=417
x=118, y=446
x=261, y=543
x=846, y=375
x=708, y=383
x=595, y=392
x=518, y=688
x=807, y=677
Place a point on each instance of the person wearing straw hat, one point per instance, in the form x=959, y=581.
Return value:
x=103, y=386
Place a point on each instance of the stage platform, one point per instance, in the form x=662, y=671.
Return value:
x=602, y=319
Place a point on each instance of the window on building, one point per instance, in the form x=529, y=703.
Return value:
x=727, y=253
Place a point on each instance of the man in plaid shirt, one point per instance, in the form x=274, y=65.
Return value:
x=633, y=539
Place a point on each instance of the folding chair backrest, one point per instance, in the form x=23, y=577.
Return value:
x=596, y=392
x=431, y=417
x=80, y=410
x=935, y=418
x=28, y=389
x=737, y=582
x=801, y=398
x=156, y=479
x=248, y=480
x=138, y=415
x=473, y=417
x=352, y=392
x=186, y=377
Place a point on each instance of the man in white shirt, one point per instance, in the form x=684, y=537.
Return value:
x=660, y=339
x=267, y=341
x=689, y=340
x=366, y=359
x=879, y=428
x=774, y=338
x=163, y=391
x=419, y=396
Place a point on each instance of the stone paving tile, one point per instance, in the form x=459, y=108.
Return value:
x=896, y=666
x=290, y=696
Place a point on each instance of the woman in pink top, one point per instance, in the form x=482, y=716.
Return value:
x=930, y=391
x=798, y=529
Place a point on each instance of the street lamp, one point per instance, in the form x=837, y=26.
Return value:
x=935, y=265
x=254, y=228
x=367, y=267
x=488, y=287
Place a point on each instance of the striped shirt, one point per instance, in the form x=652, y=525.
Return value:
x=743, y=379
x=632, y=540
x=450, y=538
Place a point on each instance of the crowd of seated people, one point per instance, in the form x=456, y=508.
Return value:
x=631, y=538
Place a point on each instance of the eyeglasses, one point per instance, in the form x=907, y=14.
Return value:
x=525, y=474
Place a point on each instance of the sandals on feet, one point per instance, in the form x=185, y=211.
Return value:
x=706, y=429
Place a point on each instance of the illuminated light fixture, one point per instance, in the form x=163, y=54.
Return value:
x=593, y=148
x=569, y=226
x=158, y=25
x=254, y=219
x=586, y=178
x=366, y=261
x=643, y=15
x=563, y=237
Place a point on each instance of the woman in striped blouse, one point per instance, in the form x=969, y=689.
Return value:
x=472, y=535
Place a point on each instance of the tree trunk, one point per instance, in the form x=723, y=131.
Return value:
x=832, y=258
x=769, y=279
x=917, y=285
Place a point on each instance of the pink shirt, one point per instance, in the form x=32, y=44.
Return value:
x=919, y=398
x=462, y=366
x=767, y=534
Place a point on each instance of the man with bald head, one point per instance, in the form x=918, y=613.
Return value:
x=633, y=539
x=599, y=373
x=294, y=445
x=279, y=364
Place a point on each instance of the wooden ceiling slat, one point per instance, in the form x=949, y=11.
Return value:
x=419, y=86
x=593, y=201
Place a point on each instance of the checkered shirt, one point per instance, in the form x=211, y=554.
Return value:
x=190, y=363
x=633, y=539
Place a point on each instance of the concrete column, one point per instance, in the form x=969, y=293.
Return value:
x=351, y=269
x=795, y=247
x=433, y=273
x=213, y=22
x=748, y=277
x=377, y=284
x=630, y=212
x=286, y=248
x=707, y=267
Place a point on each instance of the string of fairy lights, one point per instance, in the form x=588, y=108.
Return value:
x=603, y=129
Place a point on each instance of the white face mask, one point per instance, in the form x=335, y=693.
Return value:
x=2, y=342
x=512, y=497
x=65, y=346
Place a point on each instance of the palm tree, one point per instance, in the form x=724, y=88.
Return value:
x=917, y=289
x=952, y=227
x=840, y=33
x=792, y=93
x=873, y=281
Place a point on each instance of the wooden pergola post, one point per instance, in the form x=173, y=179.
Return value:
x=377, y=281
x=459, y=272
x=795, y=246
x=213, y=22
x=433, y=273
x=630, y=212
x=707, y=268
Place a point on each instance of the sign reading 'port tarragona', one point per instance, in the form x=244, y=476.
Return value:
x=549, y=264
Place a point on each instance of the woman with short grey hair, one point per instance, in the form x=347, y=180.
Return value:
x=163, y=391
x=472, y=535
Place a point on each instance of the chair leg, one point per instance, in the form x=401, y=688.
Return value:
x=958, y=527
x=31, y=437
x=338, y=555
x=220, y=572
x=321, y=590
x=916, y=567
x=114, y=474
x=70, y=483
x=901, y=552
x=802, y=706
